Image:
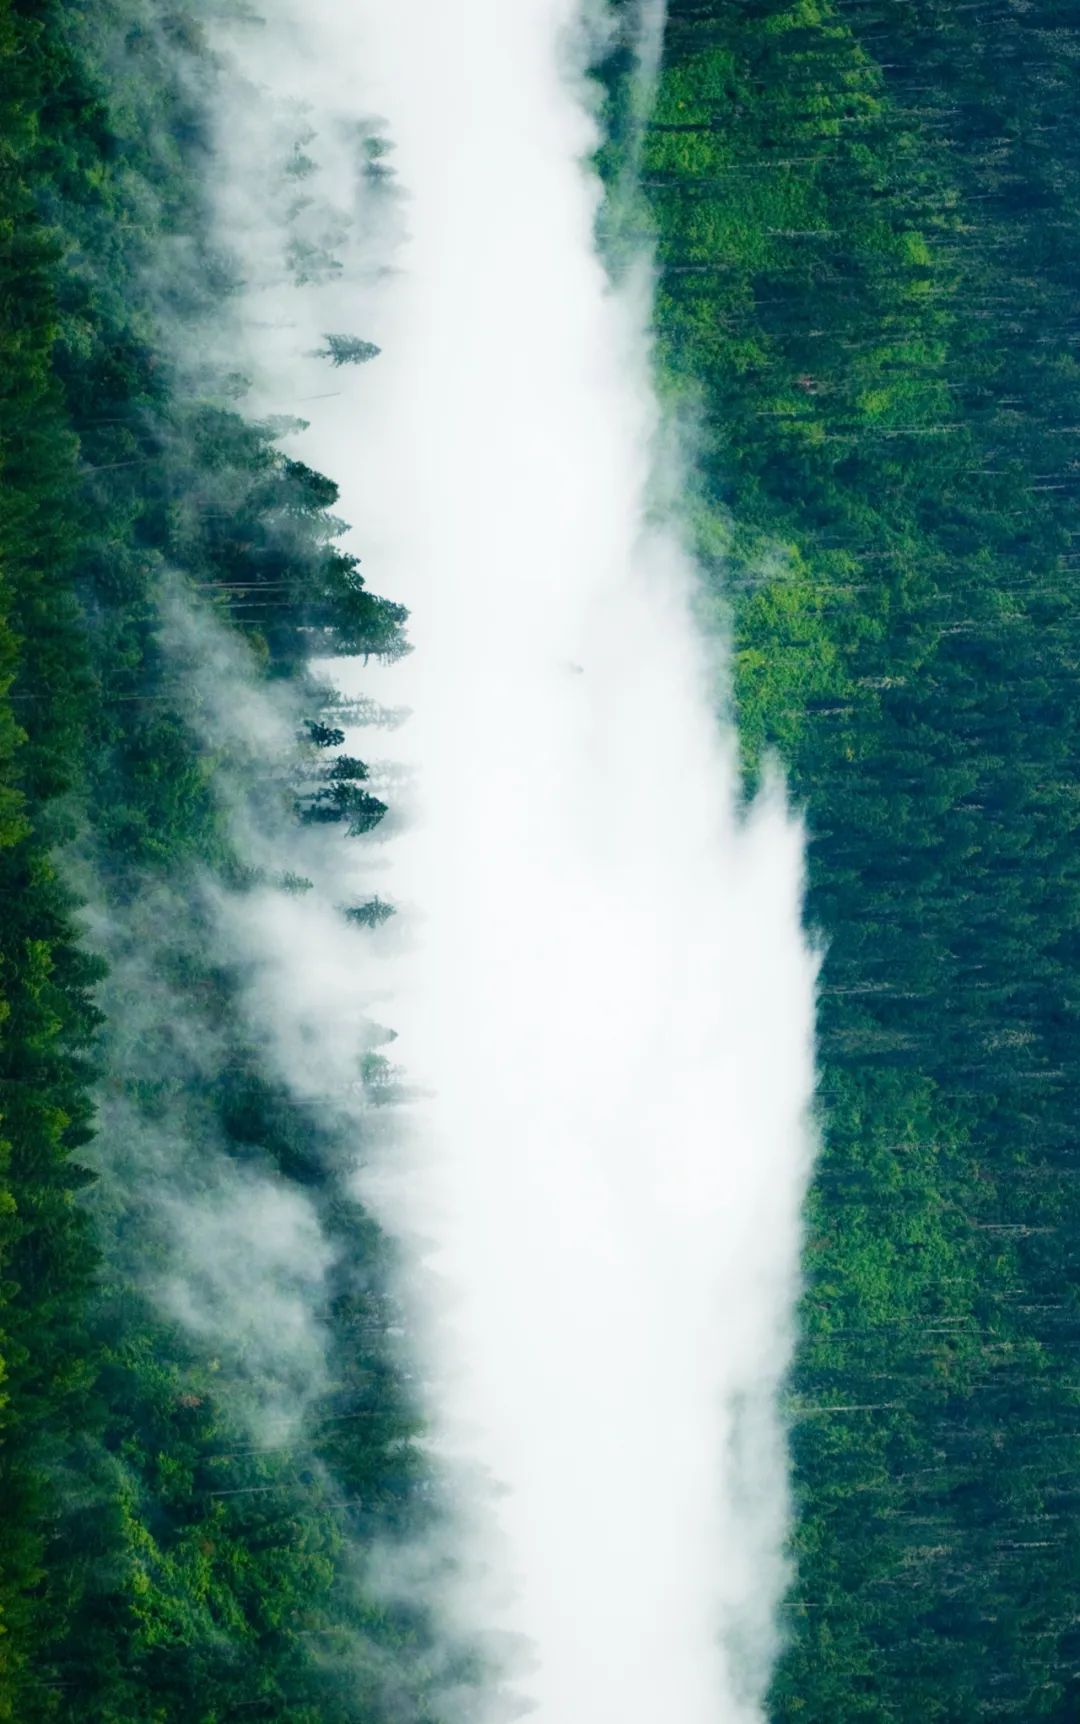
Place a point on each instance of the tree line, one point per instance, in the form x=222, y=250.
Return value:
x=156, y=1562
x=866, y=226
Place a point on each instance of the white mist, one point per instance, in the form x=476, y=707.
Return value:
x=606, y=995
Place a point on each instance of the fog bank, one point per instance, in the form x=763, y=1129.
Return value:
x=603, y=996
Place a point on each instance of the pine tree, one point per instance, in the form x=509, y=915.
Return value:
x=347, y=350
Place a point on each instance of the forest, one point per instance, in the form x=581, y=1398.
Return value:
x=156, y=1562
x=865, y=225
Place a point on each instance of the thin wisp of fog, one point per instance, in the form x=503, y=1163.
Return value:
x=601, y=989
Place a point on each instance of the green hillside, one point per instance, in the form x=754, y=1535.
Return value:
x=868, y=238
x=867, y=223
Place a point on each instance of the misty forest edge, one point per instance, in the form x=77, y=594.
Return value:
x=867, y=244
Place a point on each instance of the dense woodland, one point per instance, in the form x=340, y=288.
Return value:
x=865, y=213
x=867, y=224
x=158, y=1563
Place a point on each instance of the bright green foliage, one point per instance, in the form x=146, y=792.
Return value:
x=158, y=1563
x=866, y=219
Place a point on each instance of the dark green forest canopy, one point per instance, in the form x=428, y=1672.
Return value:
x=868, y=239
x=155, y=1563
